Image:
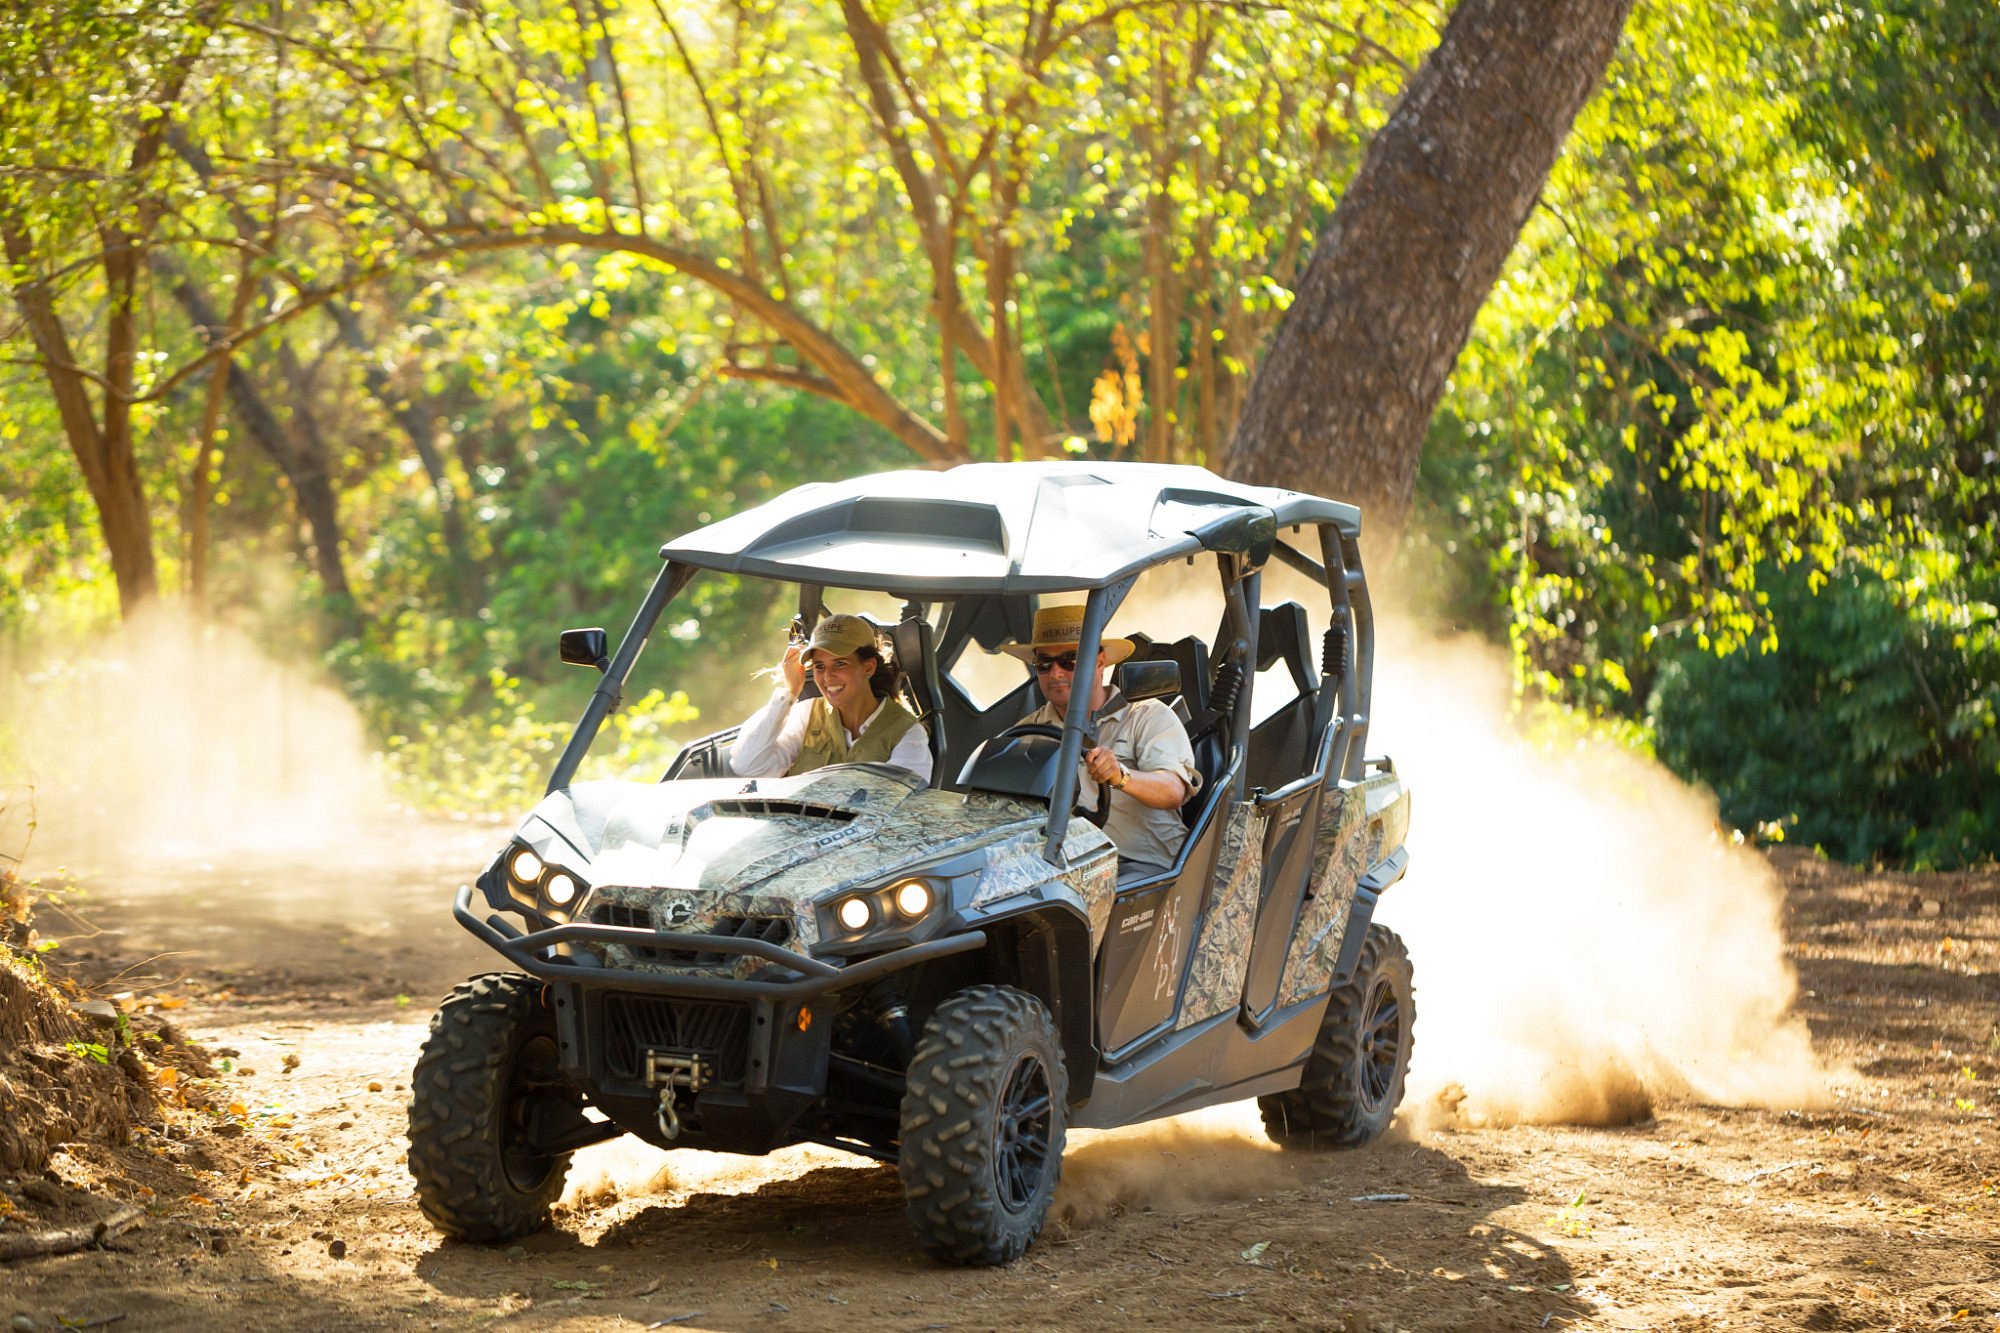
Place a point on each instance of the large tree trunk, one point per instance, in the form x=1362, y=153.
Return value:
x=103, y=450
x=1343, y=398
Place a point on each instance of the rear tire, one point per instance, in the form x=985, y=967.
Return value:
x=1353, y=1079
x=983, y=1124
x=491, y=1051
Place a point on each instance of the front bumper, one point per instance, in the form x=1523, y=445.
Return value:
x=764, y=1073
x=531, y=953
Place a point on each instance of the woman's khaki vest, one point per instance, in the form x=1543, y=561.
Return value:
x=826, y=740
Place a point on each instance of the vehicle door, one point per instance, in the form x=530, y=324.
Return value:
x=1154, y=924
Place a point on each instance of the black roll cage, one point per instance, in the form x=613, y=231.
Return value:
x=1243, y=540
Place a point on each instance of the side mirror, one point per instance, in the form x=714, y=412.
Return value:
x=586, y=647
x=1154, y=678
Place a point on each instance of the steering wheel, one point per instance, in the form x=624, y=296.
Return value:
x=1054, y=733
x=1045, y=729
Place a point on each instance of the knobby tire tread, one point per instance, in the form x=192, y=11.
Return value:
x=956, y=1077
x=458, y=1112
x=1326, y=1110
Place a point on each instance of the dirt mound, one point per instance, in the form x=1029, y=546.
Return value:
x=63, y=1078
x=75, y=1070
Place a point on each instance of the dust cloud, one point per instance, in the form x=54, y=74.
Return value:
x=1587, y=941
x=626, y=1169
x=1173, y=1166
x=169, y=739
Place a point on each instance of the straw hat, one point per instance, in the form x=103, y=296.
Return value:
x=1060, y=627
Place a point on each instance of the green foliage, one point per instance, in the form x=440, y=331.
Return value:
x=1869, y=730
x=1746, y=347
x=89, y=1050
x=499, y=759
x=590, y=448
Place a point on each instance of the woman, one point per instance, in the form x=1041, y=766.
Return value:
x=855, y=720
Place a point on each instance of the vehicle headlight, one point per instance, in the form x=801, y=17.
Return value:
x=525, y=867
x=561, y=888
x=913, y=898
x=900, y=911
x=539, y=885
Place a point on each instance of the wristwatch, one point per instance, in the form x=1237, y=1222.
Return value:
x=1123, y=778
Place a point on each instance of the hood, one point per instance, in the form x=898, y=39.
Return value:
x=814, y=832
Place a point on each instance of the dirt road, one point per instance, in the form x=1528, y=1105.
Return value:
x=292, y=1210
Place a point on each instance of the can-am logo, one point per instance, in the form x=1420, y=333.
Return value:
x=679, y=912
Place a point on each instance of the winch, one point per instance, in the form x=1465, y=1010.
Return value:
x=671, y=1070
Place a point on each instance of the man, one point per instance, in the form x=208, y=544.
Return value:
x=1143, y=753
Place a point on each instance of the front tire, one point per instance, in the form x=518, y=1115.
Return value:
x=983, y=1124
x=1353, y=1079
x=491, y=1054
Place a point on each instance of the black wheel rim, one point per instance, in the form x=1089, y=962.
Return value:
x=532, y=1078
x=1381, y=1043
x=1022, y=1135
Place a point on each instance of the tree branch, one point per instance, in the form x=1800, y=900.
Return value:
x=856, y=382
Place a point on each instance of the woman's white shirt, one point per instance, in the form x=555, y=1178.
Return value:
x=768, y=743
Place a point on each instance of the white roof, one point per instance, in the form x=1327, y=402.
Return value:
x=992, y=527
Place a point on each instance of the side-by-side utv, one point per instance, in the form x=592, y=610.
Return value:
x=949, y=974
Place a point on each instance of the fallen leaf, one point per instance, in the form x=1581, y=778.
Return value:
x=1256, y=1252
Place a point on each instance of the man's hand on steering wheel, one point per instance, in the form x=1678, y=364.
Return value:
x=1103, y=766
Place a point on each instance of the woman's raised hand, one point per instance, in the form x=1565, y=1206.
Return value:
x=794, y=667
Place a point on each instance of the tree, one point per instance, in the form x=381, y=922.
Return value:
x=1347, y=390
x=876, y=204
x=96, y=199
x=103, y=201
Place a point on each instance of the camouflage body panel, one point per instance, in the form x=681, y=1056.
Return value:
x=1359, y=825
x=1222, y=954
x=1094, y=880
x=1339, y=855
x=689, y=856
x=1014, y=865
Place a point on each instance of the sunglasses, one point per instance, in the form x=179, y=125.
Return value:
x=1045, y=664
